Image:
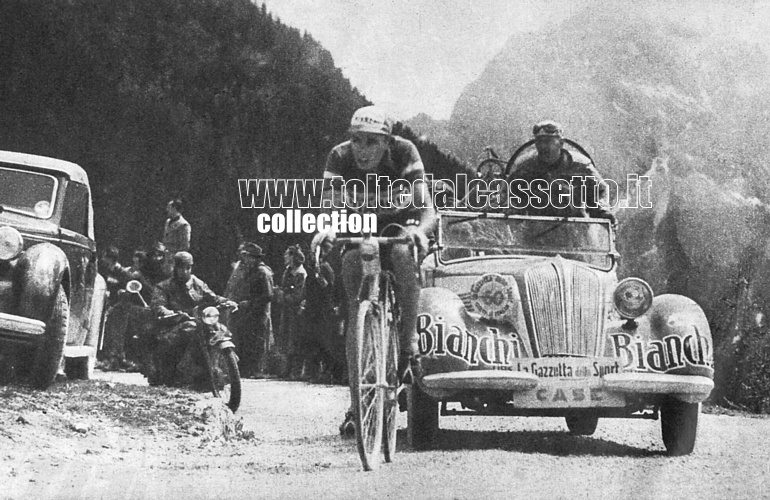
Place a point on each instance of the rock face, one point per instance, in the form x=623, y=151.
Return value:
x=627, y=86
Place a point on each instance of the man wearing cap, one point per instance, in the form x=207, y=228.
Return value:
x=321, y=343
x=372, y=149
x=251, y=286
x=176, y=231
x=552, y=161
x=178, y=294
x=293, y=292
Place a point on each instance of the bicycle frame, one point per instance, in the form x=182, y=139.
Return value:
x=373, y=353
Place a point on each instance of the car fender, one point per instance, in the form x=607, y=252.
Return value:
x=450, y=339
x=40, y=271
x=673, y=337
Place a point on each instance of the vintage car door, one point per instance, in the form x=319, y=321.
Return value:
x=76, y=232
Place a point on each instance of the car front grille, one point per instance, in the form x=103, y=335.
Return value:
x=565, y=303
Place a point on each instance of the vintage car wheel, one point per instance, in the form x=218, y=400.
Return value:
x=49, y=353
x=580, y=425
x=423, y=419
x=227, y=387
x=679, y=426
x=389, y=318
x=367, y=381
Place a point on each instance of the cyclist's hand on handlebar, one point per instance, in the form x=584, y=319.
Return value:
x=420, y=241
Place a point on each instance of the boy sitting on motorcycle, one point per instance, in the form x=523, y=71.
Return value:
x=174, y=358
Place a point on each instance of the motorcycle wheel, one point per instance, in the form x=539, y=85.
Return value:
x=227, y=387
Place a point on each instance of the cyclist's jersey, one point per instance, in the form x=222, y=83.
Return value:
x=401, y=160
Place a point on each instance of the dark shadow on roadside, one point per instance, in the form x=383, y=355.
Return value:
x=545, y=442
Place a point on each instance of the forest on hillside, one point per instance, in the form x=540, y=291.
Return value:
x=165, y=98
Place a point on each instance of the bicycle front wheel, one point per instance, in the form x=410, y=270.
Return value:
x=367, y=383
x=390, y=323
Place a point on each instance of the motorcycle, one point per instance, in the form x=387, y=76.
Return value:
x=120, y=342
x=215, y=347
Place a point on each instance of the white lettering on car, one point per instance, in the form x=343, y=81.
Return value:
x=663, y=355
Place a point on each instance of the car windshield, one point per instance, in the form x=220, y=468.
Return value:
x=26, y=192
x=469, y=235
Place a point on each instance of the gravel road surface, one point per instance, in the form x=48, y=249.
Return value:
x=297, y=453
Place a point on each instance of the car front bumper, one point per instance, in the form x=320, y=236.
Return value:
x=531, y=391
x=20, y=330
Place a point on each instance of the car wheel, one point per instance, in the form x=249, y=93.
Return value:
x=581, y=425
x=49, y=353
x=679, y=426
x=422, y=419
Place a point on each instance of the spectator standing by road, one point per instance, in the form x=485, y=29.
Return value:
x=176, y=233
x=323, y=342
x=293, y=288
x=251, y=286
x=113, y=272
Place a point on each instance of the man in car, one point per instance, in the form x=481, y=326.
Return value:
x=372, y=149
x=552, y=161
x=179, y=294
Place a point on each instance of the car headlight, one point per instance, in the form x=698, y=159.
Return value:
x=211, y=315
x=633, y=297
x=11, y=243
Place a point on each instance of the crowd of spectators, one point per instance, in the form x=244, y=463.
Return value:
x=287, y=324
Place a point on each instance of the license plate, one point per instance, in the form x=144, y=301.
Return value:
x=568, y=383
x=567, y=394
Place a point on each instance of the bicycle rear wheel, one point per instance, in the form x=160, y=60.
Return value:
x=367, y=383
x=390, y=323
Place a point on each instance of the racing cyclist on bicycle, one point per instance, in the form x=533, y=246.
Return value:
x=372, y=149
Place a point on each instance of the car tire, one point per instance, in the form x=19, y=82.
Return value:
x=49, y=353
x=679, y=426
x=423, y=419
x=582, y=425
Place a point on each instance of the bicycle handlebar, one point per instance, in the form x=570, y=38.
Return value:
x=382, y=240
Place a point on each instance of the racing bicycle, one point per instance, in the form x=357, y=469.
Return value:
x=373, y=352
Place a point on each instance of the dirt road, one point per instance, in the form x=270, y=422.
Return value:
x=297, y=453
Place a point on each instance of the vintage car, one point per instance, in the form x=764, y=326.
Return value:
x=524, y=315
x=51, y=296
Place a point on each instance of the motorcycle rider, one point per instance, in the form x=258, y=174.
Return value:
x=173, y=352
x=372, y=149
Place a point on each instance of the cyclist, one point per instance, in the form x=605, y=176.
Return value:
x=372, y=149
